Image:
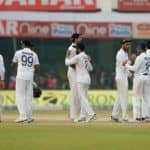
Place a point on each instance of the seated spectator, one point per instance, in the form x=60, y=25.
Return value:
x=52, y=82
x=2, y=84
x=49, y=81
x=12, y=82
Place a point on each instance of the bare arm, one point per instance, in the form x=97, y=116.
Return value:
x=36, y=68
x=14, y=65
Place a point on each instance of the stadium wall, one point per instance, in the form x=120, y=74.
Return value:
x=60, y=99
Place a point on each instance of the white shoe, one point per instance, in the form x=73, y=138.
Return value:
x=29, y=120
x=147, y=120
x=80, y=119
x=20, y=120
x=114, y=119
x=125, y=121
x=91, y=118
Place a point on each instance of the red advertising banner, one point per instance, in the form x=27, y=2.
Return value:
x=13, y=28
x=134, y=5
x=49, y=5
x=141, y=30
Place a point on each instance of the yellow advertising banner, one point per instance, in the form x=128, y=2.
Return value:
x=141, y=30
x=62, y=97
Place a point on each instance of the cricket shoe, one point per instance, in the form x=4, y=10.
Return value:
x=143, y=118
x=20, y=120
x=80, y=119
x=137, y=120
x=91, y=118
x=147, y=119
x=114, y=119
x=125, y=120
x=29, y=120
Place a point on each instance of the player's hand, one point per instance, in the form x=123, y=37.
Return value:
x=132, y=57
x=125, y=62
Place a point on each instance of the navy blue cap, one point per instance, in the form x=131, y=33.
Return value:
x=142, y=45
x=81, y=46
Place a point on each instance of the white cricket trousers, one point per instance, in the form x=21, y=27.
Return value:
x=74, y=98
x=138, y=95
x=0, y=107
x=121, y=102
x=24, y=96
x=83, y=95
x=146, y=95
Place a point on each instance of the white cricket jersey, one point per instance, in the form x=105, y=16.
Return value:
x=121, y=71
x=26, y=60
x=147, y=60
x=2, y=68
x=83, y=66
x=72, y=49
x=139, y=66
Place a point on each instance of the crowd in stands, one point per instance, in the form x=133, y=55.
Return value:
x=52, y=80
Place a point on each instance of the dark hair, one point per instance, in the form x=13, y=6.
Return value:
x=126, y=41
x=148, y=44
x=142, y=46
x=26, y=43
x=81, y=46
x=74, y=36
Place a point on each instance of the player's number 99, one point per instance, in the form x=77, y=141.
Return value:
x=27, y=60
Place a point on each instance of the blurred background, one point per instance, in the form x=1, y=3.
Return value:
x=50, y=23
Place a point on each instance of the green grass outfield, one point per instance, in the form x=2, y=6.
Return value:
x=53, y=131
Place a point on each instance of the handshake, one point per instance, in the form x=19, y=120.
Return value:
x=132, y=58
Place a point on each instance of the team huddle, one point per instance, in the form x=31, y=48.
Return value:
x=140, y=71
x=141, y=83
x=79, y=68
x=79, y=80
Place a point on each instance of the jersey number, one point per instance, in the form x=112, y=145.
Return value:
x=27, y=60
x=85, y=61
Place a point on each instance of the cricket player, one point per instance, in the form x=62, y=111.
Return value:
x=71, y=74
x=2, y=77
x=147, y=84
x=139, y=69
x=83, y=66
x=27, y=63
x=121, y=77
